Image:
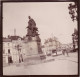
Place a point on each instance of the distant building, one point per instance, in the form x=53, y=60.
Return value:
x=51, y=44
x=64, y=46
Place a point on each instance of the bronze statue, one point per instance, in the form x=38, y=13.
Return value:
x=31, y=22
x=32, y=29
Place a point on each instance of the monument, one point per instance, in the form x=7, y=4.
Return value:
x=32, y=40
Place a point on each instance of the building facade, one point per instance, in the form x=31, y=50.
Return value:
x=51, y=45
x=12, y=45
x=7, y=47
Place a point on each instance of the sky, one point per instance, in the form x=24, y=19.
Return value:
x=52, y=19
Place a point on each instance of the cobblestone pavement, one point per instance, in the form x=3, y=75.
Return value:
x=54, y=65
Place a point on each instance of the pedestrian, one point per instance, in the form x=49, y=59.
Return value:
x=20, y=57
x=65, y=51
x=9, y=58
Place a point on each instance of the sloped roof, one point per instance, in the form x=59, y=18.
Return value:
x=15, y=37
x=10, y=38
x=49, y=40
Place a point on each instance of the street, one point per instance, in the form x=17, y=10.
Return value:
x=59, y=65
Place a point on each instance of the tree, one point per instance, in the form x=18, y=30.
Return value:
x=73, y=11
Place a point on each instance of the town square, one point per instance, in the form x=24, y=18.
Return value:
x=40, y=38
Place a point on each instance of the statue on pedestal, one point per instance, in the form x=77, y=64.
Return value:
x=32, y=32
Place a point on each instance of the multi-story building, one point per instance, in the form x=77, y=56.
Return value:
x=7, y=47
x=51, y=45
x=12, y=44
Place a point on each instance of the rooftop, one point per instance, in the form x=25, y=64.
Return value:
x=10, y=38
x=6, y=40
x=14, y=37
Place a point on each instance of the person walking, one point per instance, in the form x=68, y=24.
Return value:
x=9, y=58
x=20, y=57
x=65, y=51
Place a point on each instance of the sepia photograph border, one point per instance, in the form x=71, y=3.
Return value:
x=1, y=36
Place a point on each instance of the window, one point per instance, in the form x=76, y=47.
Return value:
x=8, y=50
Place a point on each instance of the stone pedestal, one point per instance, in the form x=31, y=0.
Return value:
x=32, y=47
x=32, y=50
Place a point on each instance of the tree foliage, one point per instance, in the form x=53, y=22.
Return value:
x=73, y=11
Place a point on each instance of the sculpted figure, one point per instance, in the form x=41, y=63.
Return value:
x=32, y=29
